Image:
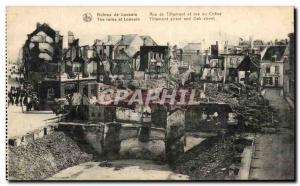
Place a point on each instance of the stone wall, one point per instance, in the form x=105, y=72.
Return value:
x=175, y=136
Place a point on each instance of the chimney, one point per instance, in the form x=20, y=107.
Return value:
x=122, y=37
x=108, y=38
x=70, y=38
x=226, y=47
x=57, y=37
x=38, y=24
x=144, y=41
x=181, y=53
x=206, y=56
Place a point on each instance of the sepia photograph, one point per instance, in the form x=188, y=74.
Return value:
x=150, y=93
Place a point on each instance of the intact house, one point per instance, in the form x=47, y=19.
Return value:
x=289, y=72
x=272, y=60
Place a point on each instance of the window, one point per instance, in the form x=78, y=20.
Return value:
x=76, y=69
x=268, y=69
x=268, y=81
x=51, y=93
x=273, y=59
x=277, y=69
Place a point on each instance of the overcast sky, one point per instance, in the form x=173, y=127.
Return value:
x=266, y=23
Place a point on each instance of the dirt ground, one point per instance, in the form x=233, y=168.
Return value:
x=132, y=169
x=274, y=153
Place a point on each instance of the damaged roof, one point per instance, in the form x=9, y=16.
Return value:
x=111, y=39
x=126, y=39
x=45, y=28
x=122, y=55
x=248, y=63
x=131, y=51
x=148, y=40
x=274, y=51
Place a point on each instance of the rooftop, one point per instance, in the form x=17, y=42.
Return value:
x=274, y=51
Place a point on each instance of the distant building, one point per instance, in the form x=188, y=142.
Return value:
x=289, y=72
x=192, y=48
x=272, y=60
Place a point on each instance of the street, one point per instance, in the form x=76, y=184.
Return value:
x=274, y=153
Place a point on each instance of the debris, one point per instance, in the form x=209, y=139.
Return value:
x=105, y=164
x=268, y=130
x=44, y=157
x=250, y=107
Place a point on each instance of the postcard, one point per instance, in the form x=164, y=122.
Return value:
x=149, y=93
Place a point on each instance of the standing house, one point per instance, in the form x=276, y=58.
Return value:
x=289, y=72
x=272, y=60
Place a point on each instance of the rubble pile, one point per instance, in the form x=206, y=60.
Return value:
x=252, y=110
x=215, y=158
x=210, y=160
x=44, y=157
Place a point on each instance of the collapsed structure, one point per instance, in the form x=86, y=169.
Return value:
x=224, y=84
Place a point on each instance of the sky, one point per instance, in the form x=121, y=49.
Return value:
x=266, y=23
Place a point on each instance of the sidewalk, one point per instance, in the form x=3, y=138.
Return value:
x=19, y=123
